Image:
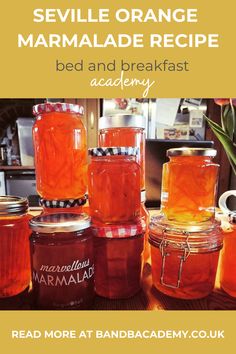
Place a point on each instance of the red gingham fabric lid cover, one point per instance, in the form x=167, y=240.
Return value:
x=120, y=231
x=58, y=107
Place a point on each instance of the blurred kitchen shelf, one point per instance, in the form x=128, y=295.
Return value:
x=14, y=168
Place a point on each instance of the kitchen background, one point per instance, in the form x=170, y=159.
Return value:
x=169, y=123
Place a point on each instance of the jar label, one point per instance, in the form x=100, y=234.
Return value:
x=64, y=275
x=63, y=286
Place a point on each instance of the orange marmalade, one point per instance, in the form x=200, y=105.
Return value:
x=60, y=151
x=124, y=130
x=184, y=258
x=228, y=259
x=114, y=185
x=15, y=271
x=189, y=185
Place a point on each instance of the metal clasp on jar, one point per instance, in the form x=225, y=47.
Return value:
x=184, y=247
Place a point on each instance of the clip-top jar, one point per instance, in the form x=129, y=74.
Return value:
x=60, y=151
x=114, y=184
x=189, y=185
x=14, y=246
x=62, y=261
x=184, y=258
x=125, y=130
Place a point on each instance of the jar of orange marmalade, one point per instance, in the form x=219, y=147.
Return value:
x=118, y=259
x=125, y=130
x=189, y=185
x=184, y=258
x=15, y=271
x=228, y=259
x=114, y=184
x=62, y=261
x=60, y=151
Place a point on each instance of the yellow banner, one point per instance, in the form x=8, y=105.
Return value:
x=117, y=48
x=108, y=332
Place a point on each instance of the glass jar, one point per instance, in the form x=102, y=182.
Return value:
x=60, y=151
x=114, y=184
x=184, y=258
x=62, y=261
x=189, y=185
x=64, y=206
x=14, y=246
x=228, y=259
x=125, y=130
x=118, y=260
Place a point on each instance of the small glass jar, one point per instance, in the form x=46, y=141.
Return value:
x=60, y=145
x=114, y=184
x=125, y=130
x=184, y=258
x=118, y=260
x=228, y=259
x=62, y=261
x=14, y=246
x=64, y=206
x=189, y=185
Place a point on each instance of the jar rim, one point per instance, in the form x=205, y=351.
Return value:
x=60, y=222
x=122, y=121
x=188, y=151
x=13, y=205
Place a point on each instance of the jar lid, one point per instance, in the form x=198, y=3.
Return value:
x=112, y=151
x=61, y=107
x=68, y=203
x=185, y=151
x=122, y=121
x=63, y=222
x=201, y=237
x=120, y=231
x=13, y=205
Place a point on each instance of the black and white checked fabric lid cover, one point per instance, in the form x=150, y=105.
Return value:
x=112, y=151
x=68, y=203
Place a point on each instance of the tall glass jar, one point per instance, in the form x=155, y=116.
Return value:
x=125, y=130
x=189, y=185
x=60, y=151
x=62, y=261
x=14, y=246
x=114, y=184
x=184, y=258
